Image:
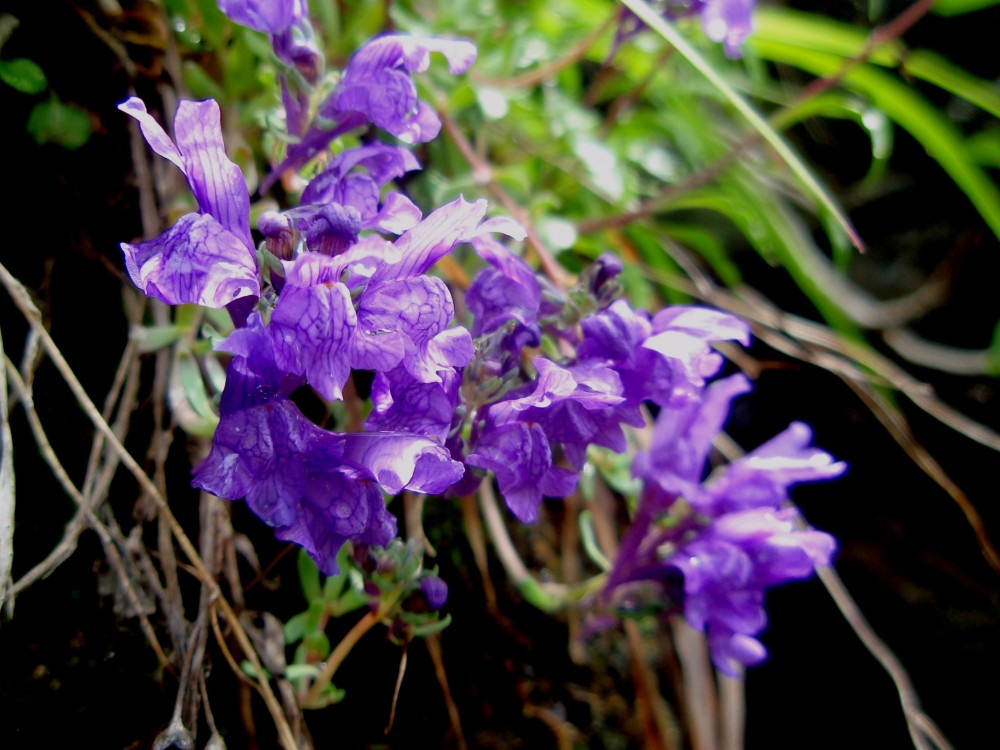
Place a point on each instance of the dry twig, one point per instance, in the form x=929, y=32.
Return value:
x=23, y=301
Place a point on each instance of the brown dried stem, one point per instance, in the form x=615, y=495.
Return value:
x=23, y=301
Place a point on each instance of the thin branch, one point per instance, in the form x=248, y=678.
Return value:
x=433, y=642
x=333, y=662
x=566, y=734
x=477, y=541
x=7, y=500
x=700, y=705
x=923, y=731
x=920, y=351
x=659, y=726
x=548, y=596
x=67, y=545
x=23, y=301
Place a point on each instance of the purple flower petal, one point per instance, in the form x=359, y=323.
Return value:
x=401, y=403
x=435, y=591
x=268, y=16
x=337, y=507
x=397, y=214
x=222, y=195
x=728, y=21
x=381, y=161
x=519, y=456
x=317, y=488
x=311, y=328
x=682, y=438
x=377, y=84
x=435, y=236
x=402, y=461
x=196, y=261
x=216, y=182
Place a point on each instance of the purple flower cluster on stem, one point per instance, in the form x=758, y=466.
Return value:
x=713, y=546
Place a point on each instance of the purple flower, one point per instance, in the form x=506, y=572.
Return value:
x=346, y=198
x=206, y=258
x=341, y=183
x=330, y=228
x=373, y=308
x=575, y=407
x=313, y=324
x=435, y=591
x=682, y=439
x=287, y=23
x=726, y=21
x=664, y=360
x=377, y=84
x=727, y=569
x=504, y=297
x=729, y=536
x=317, y=488
x=377, y=87
x=519, y=456
x=400, y=402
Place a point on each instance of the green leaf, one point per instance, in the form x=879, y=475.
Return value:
x=153, y=338
x=240, y=66
x=821, y=35
x=926, y=123
x=844, y=106
x=616, y=468
x=588, y=537
x=537, y=596
x=768, y=133
x=213, y=22
x=23, y=75
x=709, y=247
x=776, y=231
x=435, y=626
x=309, y=577
x=317, y=643
x=984, y=147
x=63, y=124
x=189, y=399
x=993, y=356
x=299, y=671
x=331, y=694
x=960, y=7
x=295, y=628
x=251, y=671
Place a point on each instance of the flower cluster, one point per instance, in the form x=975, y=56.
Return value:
x=334, y=295
x=342, y=283
x=711, y=547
